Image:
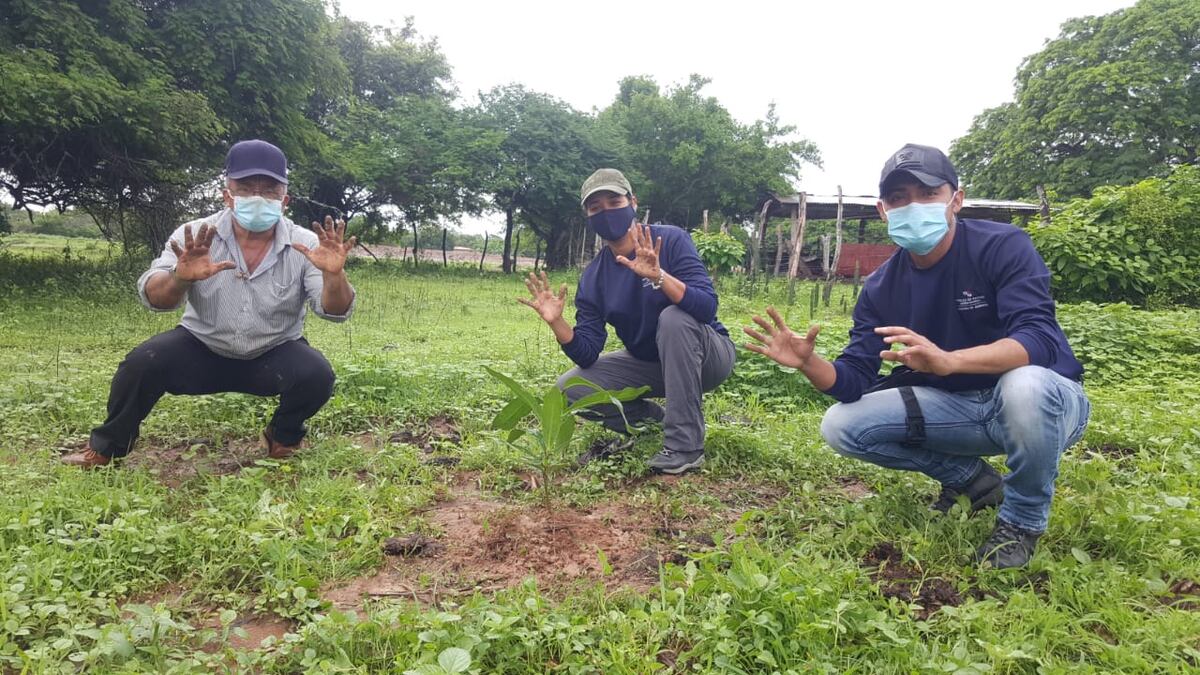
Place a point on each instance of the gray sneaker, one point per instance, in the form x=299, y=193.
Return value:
x=1008, y=546
x=984, y=490
x=603, y=449
x=667, y=461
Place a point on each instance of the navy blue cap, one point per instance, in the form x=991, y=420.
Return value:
x=256, y=158
x=927, y=164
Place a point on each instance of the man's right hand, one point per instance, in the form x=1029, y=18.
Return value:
x=192, y=259
x=780, y=344
x=547, y=303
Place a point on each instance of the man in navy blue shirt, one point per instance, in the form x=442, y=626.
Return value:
x=983, y=367
x=649, y=283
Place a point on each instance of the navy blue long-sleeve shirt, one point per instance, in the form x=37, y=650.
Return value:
x=991, y=284
x=610, y=293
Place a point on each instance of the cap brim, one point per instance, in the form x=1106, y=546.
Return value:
x=238, y=175
x=926, y=179
x=600, y=188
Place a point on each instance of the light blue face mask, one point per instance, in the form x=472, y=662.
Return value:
x=918, y=227
x=257, y=214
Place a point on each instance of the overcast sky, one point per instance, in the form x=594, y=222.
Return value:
x=859, y=78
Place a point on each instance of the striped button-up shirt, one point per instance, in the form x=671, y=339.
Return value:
x=242, y=315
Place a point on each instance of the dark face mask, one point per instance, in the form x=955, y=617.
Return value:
x=612, y=224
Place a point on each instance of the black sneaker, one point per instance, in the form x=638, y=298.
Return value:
x=1008, y=546
x=984, y=490
x=603, y=449
x=668, y=461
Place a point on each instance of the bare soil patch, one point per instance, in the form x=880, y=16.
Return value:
x=1184, y=594
x=173, y=465
x=486, y=545
x=482, y=544
x=1114, y=451
x=413, y=544
x=852, y=488
x=901, y=580
x=170, y=596
x=430, y=434
x=433, y=255
x=258, y=628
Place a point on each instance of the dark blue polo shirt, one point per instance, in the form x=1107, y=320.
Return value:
x=610, y=293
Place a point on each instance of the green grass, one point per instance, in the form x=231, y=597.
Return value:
x=49, y=245
x=89, y=562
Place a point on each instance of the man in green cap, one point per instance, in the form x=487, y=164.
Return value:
x=649, y=283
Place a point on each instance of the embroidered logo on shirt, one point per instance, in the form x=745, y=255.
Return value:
x=971, y=300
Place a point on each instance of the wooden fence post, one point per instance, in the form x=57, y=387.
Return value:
x=445, y=261
x=486, y=236
x=837, y=249
x=778, y=247
x=825, y=255
x=1045, y=204
x=759, y=235
x=799, y=222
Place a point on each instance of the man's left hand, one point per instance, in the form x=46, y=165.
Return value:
x=646, y=250
x=330, y=254
x=919, y=353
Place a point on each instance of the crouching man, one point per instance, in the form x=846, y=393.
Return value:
x=983, y=366
x=649, y=283
x=245, y=273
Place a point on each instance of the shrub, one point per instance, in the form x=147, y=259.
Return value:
x=1135, y=244
x=719, y=251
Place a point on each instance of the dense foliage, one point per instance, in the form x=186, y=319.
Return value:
x=687, y=154
x=719, y=251
x=1137, y=244
x=1112, y=100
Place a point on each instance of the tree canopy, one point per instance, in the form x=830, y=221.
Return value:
x=124, y=109
x=548, y=148
x=1113, y=99
x=685, y=153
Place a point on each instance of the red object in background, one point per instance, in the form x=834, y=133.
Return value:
x=868, y=256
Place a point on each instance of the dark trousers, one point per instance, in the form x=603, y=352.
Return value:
x=693, y=358
x=176, y=362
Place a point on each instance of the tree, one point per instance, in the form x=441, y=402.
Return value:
x=1113, y=99
x=546, y=152
x=125, y=108
x=685, y=153
x=91, y=118
x=265, y=66
x=395, y=139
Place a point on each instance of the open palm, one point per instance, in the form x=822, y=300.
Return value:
x=330, y=254
x=547, y=303
x=780, y=344
x=192, y=260
x=646, y=252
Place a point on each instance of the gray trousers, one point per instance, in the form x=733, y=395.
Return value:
x=693, y=358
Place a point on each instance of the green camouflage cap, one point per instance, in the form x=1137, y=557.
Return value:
x=605, y=179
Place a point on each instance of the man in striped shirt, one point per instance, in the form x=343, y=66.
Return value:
x=246, y=274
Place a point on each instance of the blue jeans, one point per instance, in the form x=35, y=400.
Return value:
x=1031, y=415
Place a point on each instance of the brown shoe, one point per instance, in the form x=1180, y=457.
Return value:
x=277, y=450
x=87, y=458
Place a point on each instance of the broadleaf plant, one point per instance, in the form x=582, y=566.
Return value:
x=548, y=444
